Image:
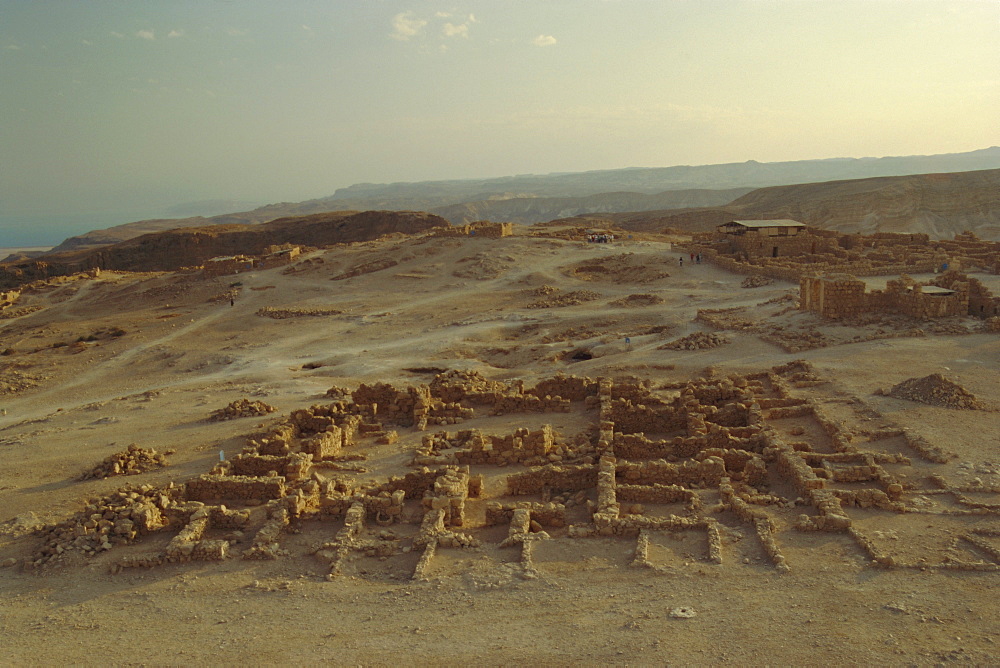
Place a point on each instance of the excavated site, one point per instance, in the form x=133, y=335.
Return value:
x=507, y=446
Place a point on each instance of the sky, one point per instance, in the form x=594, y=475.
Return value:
x=117, y=110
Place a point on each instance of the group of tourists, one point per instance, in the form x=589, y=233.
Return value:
x=695, y=257
x=600, y=238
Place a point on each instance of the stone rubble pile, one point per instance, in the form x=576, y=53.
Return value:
x=116, y=519
x=756, y=281
x=283, y=313
x=935, y=390
x=573, y=298
x=242, y=408
x=696, y=341
x=130, y=461
x=638, y=300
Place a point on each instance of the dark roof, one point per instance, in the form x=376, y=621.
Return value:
x=758, y=224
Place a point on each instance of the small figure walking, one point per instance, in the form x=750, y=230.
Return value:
x=232, y=301
x=680, y=260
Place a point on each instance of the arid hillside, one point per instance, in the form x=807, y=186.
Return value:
x=173, y=249
x=528, y=210
x=940, y=205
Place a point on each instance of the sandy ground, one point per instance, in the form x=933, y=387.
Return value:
x=456, y=304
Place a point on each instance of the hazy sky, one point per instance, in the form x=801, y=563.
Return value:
x=123, y=108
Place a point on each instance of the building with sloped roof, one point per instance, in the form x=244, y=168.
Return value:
x=767, y=238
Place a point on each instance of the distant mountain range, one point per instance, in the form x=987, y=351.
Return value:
x=538, y=198
x=940, y=205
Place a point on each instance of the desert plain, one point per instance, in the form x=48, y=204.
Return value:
x=94, y=363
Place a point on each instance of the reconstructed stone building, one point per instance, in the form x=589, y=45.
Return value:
x=767, y=238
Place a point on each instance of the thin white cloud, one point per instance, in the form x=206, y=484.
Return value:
x=235, y=32
x=117, y=34
x=544, y=40
x=175, y=33
x=86, y=42
x=452, y=30
x=146, y=34
x=12, y=47
x=405, y=25
x=443, y=15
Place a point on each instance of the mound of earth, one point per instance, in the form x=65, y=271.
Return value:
x=638, y=300
x=935, y=390
x=624, y=268
x=483, y=266
x=568, y=299
x=284, y=313
x=696, y=341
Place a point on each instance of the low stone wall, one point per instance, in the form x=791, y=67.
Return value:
x=242, y=488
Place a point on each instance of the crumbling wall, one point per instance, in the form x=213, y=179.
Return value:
x=208, y=487
x=838, y=296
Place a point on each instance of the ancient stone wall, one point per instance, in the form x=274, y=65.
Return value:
x=982, y=303
x=222, y=266
x=209, y=487
x=758, y=243
x=838, y=296
x=841, y=296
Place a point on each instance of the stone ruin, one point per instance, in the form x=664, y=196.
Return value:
x=812, y=251
x=131, y=461
x=480, y=228
x=842, y=296
x=241, y=408
x=740, y=465
x=696, y=341
x=951, y=294
x=273, y=256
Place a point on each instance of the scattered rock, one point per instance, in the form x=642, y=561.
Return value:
x=116, y=519
x=131, y=461
x=284, y=313
x=569, y=299
x=242, y=408
x=756, y=281
x=935, y=390
x=638, y=300
x=696, y=341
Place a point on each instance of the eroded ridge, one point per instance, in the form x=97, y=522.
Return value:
x=739, y=469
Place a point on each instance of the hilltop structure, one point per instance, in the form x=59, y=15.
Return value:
x=767, y=238
x=788, y=250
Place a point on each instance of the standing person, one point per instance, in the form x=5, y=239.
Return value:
x=692, y=257
x=680, y=260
